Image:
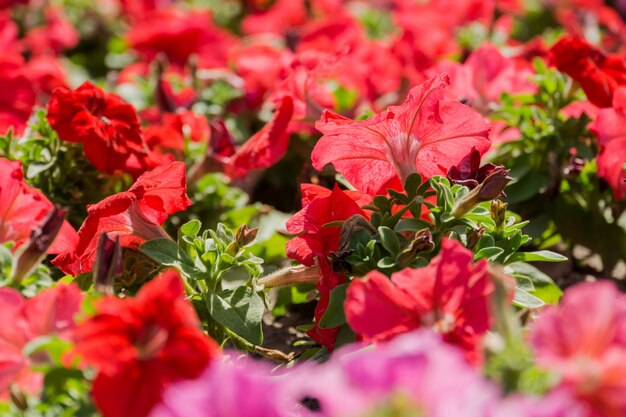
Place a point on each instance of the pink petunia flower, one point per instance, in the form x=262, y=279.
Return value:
x=583, y=340
x=51, y=312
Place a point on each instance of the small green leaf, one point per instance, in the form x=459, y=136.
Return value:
x=538, y=256
x=488, y=253
x=190, y=229
x=525, y=300
x=411, y=225
x=335, y=315
x=167, y=252
x=524, y=283
x=386, y=263
x=240, y=310
x=389, y=240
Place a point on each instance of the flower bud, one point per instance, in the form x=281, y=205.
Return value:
x=291, y=275
x=108, y=264
x=498, y=213
x=492, y=187
x=29, y=255
x=421, y=243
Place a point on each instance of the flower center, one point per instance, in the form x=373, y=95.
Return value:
x=439, y=321
x=151, y=341
x=402, y=152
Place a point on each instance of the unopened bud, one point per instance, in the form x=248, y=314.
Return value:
x=351, y=227
x=29, y=255
x=17, y=397
x=422, y=243
x=291, y=275
x=498, y=213
x=243, y=237
x=474, y=236
x=108, y=264
x=488, y=190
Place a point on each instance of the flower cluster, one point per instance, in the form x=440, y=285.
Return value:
x=337, y=208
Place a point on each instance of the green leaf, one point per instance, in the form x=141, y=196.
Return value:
x=545, y=288
x=240, y=310
x=190, y=229
x=525, y=300
x=386, y=263
x=167, y=252
x=389, y=240
x=488, y=253
x=411, y=225
x=524, y=283
x=541, y=256
x=335, y=315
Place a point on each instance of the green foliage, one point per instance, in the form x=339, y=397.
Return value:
x=553, y=163
x=220, y=272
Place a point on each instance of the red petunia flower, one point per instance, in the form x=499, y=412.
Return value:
x=134, y=216
x=427, y=134
x=156, y=340
x=22, y=207
x=610, y=128
x=106, y=125
x=55, y=35
x=315, y=242
x=450, y=295
x=598, y=73
x=282, y=16
x=51, y=312
x=16, y=102
x=179, y=34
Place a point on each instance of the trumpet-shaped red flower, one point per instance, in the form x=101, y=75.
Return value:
x=315, y=242
x=598, y=73
x=584, y=341
x=51, y=312
x=450, y=295
x=610, y=128
x=427, y=134
x=106, y=125
x=156, y=340
x=22, y=207
x=134, y=215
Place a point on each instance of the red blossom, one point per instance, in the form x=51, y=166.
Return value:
x=106, y=125
x=450, y=295
x=179, y=34
x=134, y=216
x=22, y=206
x=157, y=340
x=598, y=73
x=56, y=35
x=50, y=312
x=315, y=242
x=427, y=134
x=16, y=101
x=262, y=66
x=610, y=128
x=484, y=76
x=282, y=16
